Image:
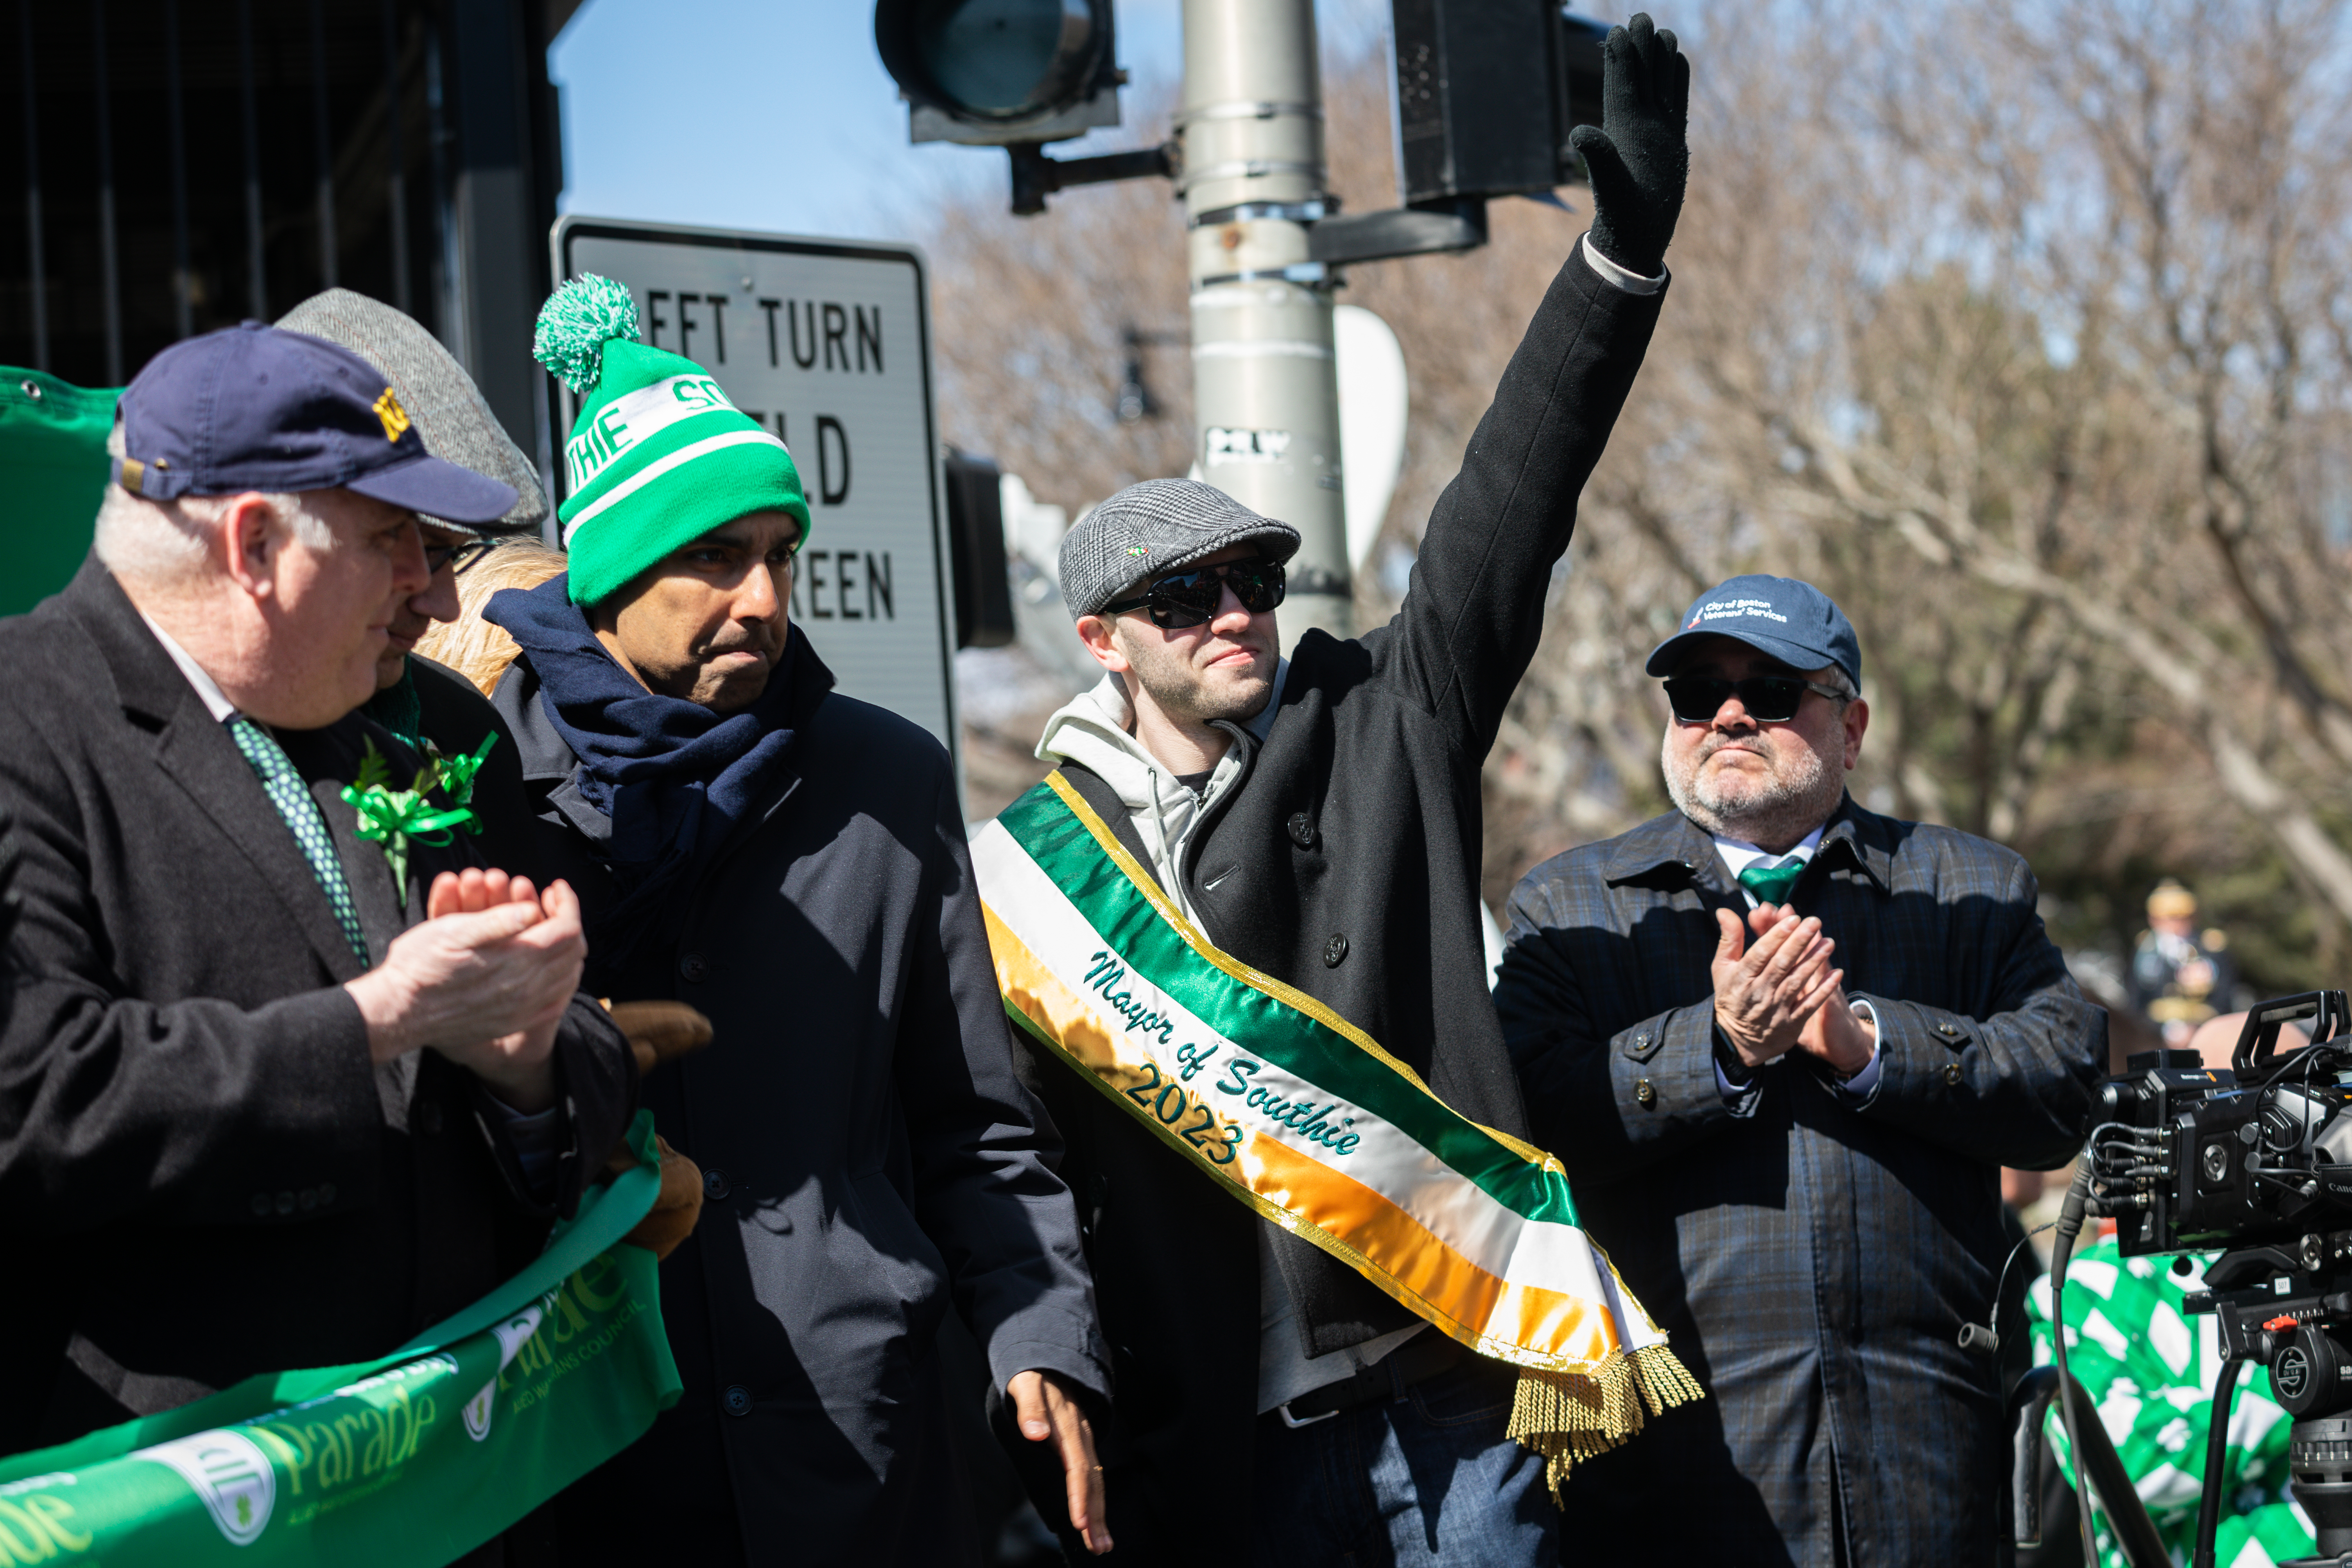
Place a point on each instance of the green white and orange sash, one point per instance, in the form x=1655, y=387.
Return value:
x=1302, y=1117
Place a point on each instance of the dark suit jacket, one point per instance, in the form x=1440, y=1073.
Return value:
x=193, y=1139
x=1814, y=1262
x=870, y=1161
x=458, y=717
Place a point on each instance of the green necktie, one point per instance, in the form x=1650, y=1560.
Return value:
x=1770, y=883
x=293, y=798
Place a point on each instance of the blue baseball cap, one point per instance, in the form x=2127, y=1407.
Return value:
x=256, y=407
x=1794, y=622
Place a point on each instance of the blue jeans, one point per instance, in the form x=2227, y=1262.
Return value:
x=1426, y=1482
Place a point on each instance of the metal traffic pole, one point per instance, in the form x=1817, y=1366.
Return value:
x=1265, y=395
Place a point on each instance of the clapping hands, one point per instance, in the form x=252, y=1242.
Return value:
x=484, y=980
x=1780, y=993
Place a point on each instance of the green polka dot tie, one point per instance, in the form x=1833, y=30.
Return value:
x=293, y=798
x=1770, y=884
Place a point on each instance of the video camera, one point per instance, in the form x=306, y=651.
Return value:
x=2255, y=1160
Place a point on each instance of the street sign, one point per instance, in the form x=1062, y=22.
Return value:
x=827, y=343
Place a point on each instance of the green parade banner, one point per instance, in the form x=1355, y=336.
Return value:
x=406, y=1461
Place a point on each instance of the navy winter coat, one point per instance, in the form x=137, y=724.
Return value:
x=870, y=1161
x=1813, y=1261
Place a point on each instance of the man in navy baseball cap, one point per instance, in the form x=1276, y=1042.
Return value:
x=1783, y=1044
x=262, y=1044
x=1793, y=622
x=254, y=407
x=272, y=480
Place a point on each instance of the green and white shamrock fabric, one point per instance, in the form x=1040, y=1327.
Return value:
x=2152, y=1369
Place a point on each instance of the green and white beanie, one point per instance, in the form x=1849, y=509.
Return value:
x=658, y=456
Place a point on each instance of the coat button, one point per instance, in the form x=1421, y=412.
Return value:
x=428, y=1119
x=1645, y=1092
x=714, y=1186
x=1334, y=951
x=1947, y=1030
x=1952, y=1074
x=693, y=968
x=286, y=1203
x=737, y=1400
x=1302, y=830
x=261, y=1203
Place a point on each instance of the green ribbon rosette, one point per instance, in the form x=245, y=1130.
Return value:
x=406, y=1461
x=395, y=817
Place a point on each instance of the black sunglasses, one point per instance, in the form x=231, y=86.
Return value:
x=1768, y=699
x=464, y=552
x=1190, y=597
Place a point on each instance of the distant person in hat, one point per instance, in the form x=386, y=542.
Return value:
x=1315, y=819
x=791, y=862
x=1784, y=1046
x=2180, y=976
x=267, y=1100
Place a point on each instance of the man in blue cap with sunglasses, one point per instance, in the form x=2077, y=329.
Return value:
x=1783, y=1045
x=273, y=1093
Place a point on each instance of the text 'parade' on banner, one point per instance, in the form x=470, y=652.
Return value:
x=826, y=343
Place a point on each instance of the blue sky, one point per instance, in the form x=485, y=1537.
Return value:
x=777, y=115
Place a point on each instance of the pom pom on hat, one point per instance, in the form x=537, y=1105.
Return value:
x=576, y=324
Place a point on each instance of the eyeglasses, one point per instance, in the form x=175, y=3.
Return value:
x=464, y=552
x=1768, y=699
x=1189, y=598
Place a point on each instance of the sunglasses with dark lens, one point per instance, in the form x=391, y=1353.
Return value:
x=464, y=552
x=1768, y=699
x=1189, y=598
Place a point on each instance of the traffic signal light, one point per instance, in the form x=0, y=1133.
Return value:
x=1001, y=73
x=983, y=590
x=1487, y=91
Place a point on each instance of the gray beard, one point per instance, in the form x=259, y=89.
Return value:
x=1782, y=812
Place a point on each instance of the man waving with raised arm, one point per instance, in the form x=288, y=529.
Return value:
x=1239, y=927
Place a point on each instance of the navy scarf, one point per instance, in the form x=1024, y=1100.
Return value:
x=674, y=776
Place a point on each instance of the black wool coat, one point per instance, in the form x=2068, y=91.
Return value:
x=1345, y=862
x=192, y=1140
x=456, y=717
x=870, y=1160
x=1813, y=1261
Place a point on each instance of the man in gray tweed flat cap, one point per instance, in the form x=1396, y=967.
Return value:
x=1316, y=819
x=416, y=699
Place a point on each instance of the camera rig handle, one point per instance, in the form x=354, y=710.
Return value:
x=2258, y=1041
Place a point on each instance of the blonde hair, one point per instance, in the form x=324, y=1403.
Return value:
x=470, y=645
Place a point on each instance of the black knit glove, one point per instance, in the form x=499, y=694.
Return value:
x=1639, y=155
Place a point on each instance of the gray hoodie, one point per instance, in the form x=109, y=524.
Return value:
x=1094, y=730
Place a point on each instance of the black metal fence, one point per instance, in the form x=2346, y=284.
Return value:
x=180, y=166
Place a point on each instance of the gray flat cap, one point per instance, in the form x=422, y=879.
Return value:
x=1157, y=526
x=457, y=425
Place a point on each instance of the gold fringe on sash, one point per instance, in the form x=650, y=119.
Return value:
x=1571, y=1417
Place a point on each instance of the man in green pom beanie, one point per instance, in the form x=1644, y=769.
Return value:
x=658, y=456
x=792, y=863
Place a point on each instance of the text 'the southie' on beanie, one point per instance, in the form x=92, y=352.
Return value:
x=658, y=456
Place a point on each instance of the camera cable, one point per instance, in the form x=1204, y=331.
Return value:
x=2089, y=1449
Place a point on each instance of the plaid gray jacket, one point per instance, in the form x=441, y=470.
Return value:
x=1813, y=1261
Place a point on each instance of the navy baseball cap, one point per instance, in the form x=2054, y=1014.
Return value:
x=256, y=407
x=1794, y=622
